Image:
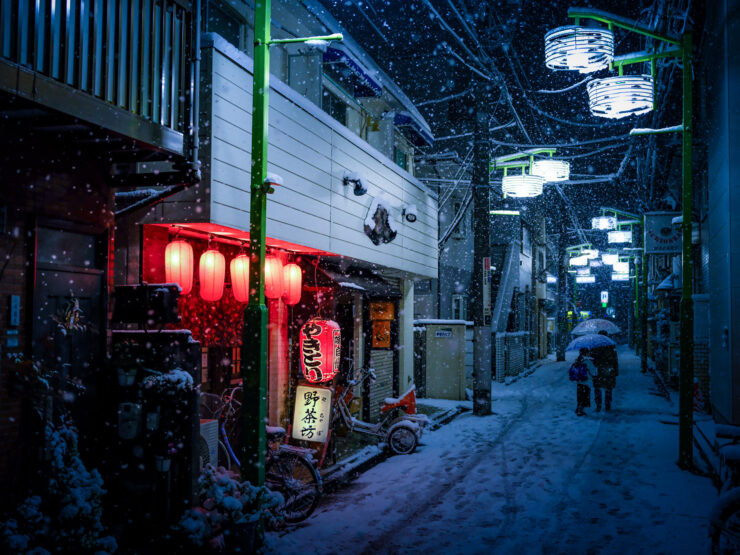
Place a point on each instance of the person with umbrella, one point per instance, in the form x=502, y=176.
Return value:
x=607, y=370
x=579, y=373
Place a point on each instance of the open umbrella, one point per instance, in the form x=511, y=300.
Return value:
x=595, y=325
x=589, y=342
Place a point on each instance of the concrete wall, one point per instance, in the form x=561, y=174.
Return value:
x=723, y=135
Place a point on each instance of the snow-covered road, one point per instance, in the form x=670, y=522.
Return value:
x=531, y=478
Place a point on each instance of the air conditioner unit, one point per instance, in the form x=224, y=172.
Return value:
x=208, y=449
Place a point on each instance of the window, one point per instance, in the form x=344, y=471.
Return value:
x=461, y=230
x=459, y=307
x=334, y=106
x=228, y=19
x=400, y=157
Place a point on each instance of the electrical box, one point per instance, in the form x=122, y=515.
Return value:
x=439, y=368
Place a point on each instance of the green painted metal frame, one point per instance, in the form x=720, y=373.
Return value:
x=686, y=373
x=254, y=335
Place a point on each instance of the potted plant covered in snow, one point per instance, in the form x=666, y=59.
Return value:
x=65, y=514
x=230, y=512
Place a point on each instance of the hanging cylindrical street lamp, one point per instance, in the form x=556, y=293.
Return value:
x=551, y=170
x=578, y=48
x=620, y=96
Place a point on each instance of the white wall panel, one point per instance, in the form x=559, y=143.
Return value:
x=311, y=151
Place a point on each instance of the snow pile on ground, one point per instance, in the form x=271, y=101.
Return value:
x=531, y=478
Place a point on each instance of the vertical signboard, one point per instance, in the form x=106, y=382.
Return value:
x=312, y=413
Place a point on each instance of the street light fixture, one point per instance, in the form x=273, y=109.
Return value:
x=679, y=48
x=579, y=48
x=620, y=96
x=522, y=186
x=551, y=170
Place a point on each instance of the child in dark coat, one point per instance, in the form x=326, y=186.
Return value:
x=579, y=373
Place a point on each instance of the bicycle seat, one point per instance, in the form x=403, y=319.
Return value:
x=273, y=433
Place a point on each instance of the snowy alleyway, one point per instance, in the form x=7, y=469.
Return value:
x=532, y=478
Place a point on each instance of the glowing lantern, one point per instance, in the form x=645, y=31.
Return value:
x=239, y=270
x=551, y=170
x=178, y=264
x=211, y=271
x=522, y=186
x=582, y=49
x=604, y=222
x=620, y=96
x=320, y=346
x=273, y=277
x=621, y=267
x=292, y=283
x=585, y=279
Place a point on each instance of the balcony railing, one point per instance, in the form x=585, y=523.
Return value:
x=137, y=55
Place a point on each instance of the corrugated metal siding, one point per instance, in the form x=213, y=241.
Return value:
x=382, y=362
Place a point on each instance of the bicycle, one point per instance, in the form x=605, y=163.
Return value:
x=288, y=469
x=400, y=426
x=725, y=515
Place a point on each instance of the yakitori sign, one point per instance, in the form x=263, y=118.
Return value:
x=661, y=236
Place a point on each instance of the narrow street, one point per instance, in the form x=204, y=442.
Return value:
x=532, y=478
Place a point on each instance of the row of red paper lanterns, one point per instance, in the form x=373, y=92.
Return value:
x=280, y=281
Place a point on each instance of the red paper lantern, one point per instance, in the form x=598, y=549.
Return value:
x=292, y=283
x=321, y=346
x=273, y=277
x=239, y=270
x=211, y=272
x=178, y=265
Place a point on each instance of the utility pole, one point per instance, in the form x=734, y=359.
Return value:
x=562, y=334
x=481, y=300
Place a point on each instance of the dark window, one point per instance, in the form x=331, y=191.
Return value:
x=334, y=106
x=399, y=156
x=223, y=21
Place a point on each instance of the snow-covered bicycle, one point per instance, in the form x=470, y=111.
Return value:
x=289, y=470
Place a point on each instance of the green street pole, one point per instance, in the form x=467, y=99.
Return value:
x=643, y=318
x=636, y=330
x=254, y=333
x=686, y=374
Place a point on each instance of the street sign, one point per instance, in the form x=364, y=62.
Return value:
x=661, y=236
x=604, y=297
x=487, y=289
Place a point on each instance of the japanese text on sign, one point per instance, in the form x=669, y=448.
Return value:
x=312, y=413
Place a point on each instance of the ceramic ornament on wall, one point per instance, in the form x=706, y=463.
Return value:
x=378, y=223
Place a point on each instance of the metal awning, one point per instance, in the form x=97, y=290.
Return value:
x=364, y=81
x=362, y=280
x=412, y=129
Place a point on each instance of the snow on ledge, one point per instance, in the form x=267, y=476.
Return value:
x=647, y=131
x=438, y=321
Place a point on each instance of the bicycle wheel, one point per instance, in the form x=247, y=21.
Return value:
x=297, y=481
x=402, y=440
x=726, y=532
x=223, y=456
